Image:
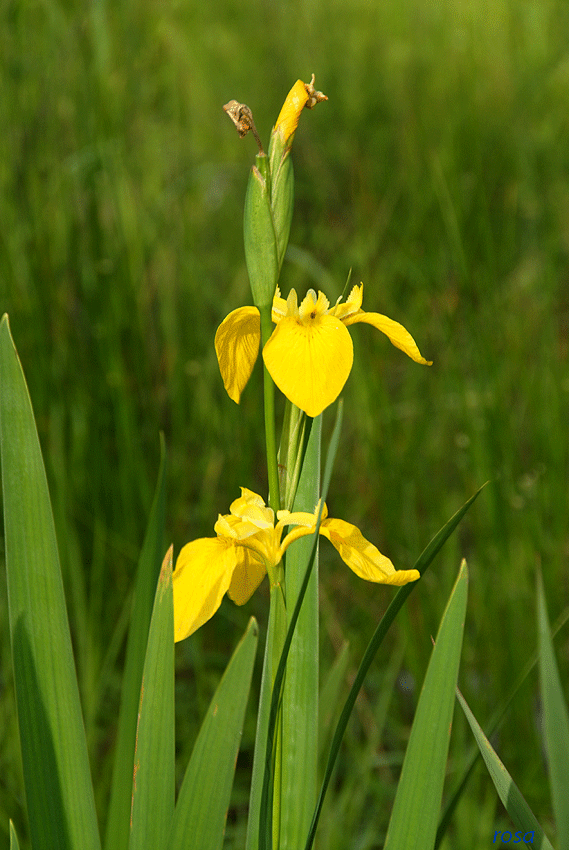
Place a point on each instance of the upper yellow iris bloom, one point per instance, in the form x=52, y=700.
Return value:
x=247, y=544
x=309, y=354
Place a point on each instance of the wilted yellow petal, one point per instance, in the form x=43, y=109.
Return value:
x=290, y=113
x=363, y=557
x=310, y=363
x=247, y=576
x=202, y=576
x=237, y=347
x=399, y=336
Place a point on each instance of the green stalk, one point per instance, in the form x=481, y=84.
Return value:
x=300, y=695
x=276, y=634
x=270, y=431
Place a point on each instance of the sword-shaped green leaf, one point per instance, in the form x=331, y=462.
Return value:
x=14, y=844
x=201, y=810
x=422, y=563
x=117, y=831
x=153, y=785
x=59, y=792
x=415, y=814
x=555, y=722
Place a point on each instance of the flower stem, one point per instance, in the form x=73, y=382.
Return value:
x=270, y=431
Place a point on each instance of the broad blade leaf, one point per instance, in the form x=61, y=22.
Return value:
x=201, y=810
x=555, y=722
x=508, y=791
x=417, y=803
x=57, y=778
x=117, y=832
x=154, y=766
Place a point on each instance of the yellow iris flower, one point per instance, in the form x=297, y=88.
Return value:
x=248, y=543
x=309, y=354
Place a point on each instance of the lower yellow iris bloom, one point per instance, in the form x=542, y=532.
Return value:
x=309, y=354
x=249, y=543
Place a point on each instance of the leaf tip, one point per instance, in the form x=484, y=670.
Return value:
x=166, y=568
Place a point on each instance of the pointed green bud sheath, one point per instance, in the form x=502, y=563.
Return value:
x=259, y=235
x=282, y=193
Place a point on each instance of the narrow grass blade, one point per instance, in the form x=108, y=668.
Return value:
x=59, y=793
x=555, y=722
x=117, y=831
x=14, y=844
x=415, y=814
x=154, y=762
x=509, y=793
x=201, y=810
x=423, y=562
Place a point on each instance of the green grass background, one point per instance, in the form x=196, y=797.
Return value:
x=438, y=172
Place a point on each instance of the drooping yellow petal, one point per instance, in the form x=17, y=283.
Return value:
x=247, y=576
x=237, y=347
x=203, y=573
x=363, y=557
x=399, y=336
x=310, y=363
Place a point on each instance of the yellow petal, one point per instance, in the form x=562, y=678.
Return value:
x=399, y=336
x=363, y=557
x=247, y=576
x=290, y=113
x=250, y=506
x=202, y=576
x=279, y=307
x=237, y=347
x=352, y=305
x=310, y=363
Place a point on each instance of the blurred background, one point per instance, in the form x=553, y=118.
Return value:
x=438, y=173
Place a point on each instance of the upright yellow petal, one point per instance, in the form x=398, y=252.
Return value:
x=310, y=363
x=203, y=573
x=290, y=113
x=399, y=336
x=247, y=576
x=237, y=347
x=352, y=305
x=362, y=557
x=279, y=307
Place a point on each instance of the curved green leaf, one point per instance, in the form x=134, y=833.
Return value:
x=508, y=791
